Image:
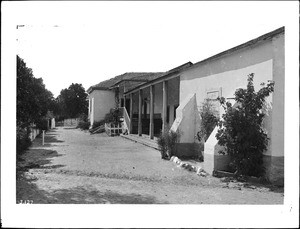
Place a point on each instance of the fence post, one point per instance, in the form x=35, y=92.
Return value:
x=43, y=137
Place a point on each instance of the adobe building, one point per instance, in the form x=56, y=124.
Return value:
x=173, y=99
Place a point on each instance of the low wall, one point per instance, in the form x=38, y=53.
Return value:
x=34, y=132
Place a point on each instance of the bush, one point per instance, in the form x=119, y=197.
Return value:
x=209, y=120
x=83, y=125
x=23, y=140
x=83, y=117
x=167, y=143
x=113, y=116
x=241, y=130
x=43, y=124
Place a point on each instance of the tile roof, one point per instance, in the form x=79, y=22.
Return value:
x=107, y=84
x=164, y=75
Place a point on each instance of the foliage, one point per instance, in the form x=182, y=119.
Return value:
x=23, y=140
x=43, y=124
x=34, y=102
x=209, y=120
x=83, y=117
x=72, y=101
x=33, y=99
x=241, y=132
x=167, y=143
x=114, y=116
x=83, y=125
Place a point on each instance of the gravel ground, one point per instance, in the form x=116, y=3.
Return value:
x=74, y=167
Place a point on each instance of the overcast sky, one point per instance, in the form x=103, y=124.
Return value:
x=78, y=42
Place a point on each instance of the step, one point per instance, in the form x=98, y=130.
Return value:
x=144, y=139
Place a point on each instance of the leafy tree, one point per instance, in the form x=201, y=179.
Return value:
x=241, y=130
x=72, y=101
x=33, y=104
x=209, y=120
x=33, y=99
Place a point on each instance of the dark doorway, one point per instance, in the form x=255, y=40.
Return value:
x=127, y=105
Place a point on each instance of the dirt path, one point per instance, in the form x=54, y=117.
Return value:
x=76, y=167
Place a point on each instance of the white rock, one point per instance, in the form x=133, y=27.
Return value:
x=199, y=170
x=178, y=161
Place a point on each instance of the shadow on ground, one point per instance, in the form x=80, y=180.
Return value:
x=48, y=140
x=70, y=128
x=38, y=156
x=35, y=158
x=255, y=184
x=28, y=190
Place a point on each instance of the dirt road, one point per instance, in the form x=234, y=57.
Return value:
x=76, y=167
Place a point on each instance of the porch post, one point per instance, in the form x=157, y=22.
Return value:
x=140, y=113
x=124, y=103
x=131, y=113
x=165, y=100
x=151, y=131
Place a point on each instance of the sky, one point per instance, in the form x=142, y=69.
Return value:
x=88, y=42
x=76, y=42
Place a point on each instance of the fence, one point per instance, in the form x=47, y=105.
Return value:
x=71, y=122
x=34, y=132
x=112, y=129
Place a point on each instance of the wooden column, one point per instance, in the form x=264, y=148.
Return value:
x=140, y=112
x=165, y=104
x=124, y=99
x=131, y=113
x=151, y=129
x=124, y=96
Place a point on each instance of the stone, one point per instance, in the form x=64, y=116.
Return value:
x=199, y=170
x=178, y=161
x=203, y=174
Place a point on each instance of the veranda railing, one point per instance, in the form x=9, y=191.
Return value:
x=126, y=120
x=113, y=129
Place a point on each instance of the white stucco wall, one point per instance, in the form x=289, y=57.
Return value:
x=100, y=102
x=227, y=73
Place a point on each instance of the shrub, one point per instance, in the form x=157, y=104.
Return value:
x=241, y=132
x=209, y=120
x=83, y=125
x=113, y=116
x=167, y=143
x=43, y=124
x=83, y=117
x=23, y=140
